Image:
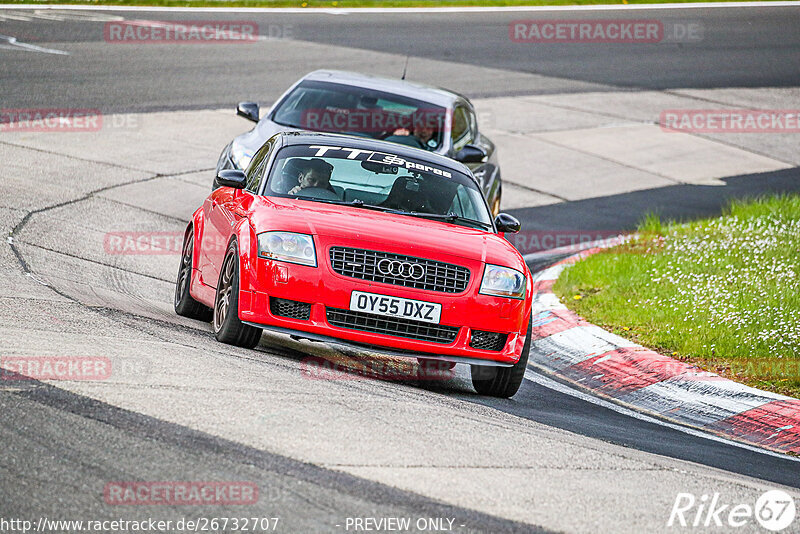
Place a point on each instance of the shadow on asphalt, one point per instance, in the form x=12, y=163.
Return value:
x=552, y=408
x=621, y=213
x=676, y=203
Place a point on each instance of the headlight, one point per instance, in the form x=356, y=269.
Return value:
x=241, y=156
x=287, y=246
x=503, y=282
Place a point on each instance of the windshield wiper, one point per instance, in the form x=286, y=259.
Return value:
x=356, y=203
x=451, y=217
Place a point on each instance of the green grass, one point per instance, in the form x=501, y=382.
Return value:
x=722, y=293
x=343, y=3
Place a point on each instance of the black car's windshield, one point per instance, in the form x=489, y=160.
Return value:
x=377, y=180
x=331, y=107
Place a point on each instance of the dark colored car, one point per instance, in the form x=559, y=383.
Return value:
x=364, y=243
x=399, y=111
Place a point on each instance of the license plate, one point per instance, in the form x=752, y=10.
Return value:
x=417, y=310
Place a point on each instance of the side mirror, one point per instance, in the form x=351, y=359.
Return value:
x=507, y=224
x=248, y=110
x=471, y=154
x=231, y=178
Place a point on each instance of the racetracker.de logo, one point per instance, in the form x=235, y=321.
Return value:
x=730, y=120
x=586, y=31
x=143, y=243
x=529, y=241
x=346, y=368
x=154, y=243
x=180, y=493
x=181, y=32
x=372, y=121
x=50, y=120
x=55, y=368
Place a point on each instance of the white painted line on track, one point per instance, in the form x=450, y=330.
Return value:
x=549, y=383
x=360, y=10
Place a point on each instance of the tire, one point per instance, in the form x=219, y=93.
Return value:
x=227, y=326
x=185, y=305
x=502, y=382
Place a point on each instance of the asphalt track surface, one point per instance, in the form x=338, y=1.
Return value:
x=745, y=47
x=59, y=447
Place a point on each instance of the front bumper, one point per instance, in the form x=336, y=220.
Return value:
x=337, y=342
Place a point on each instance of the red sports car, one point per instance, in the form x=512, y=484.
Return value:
x=366, y=243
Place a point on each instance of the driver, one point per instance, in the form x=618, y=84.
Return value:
x=423, y=135
x=310, y=173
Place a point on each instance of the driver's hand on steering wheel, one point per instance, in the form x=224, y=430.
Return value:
x=296, y=189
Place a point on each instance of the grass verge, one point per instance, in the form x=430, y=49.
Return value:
x=721, y=293
x=344, y=4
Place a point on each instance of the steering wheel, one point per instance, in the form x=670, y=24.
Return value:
x=318, y=192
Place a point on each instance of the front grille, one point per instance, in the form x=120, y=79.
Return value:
x=409, y=272
x=392, y=326
x=290, y=308
x=488, y=340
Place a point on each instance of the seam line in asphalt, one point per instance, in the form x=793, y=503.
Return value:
x=78, y=158
x=610, y=160
x=534, y=190
x=146, y=210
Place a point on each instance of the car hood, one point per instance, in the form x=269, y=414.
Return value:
x=253, y=140
x=388, y=232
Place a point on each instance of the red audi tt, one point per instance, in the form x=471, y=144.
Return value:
x=362, y=242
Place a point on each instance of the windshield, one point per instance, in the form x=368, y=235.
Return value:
x=330, y=107
x=377, y=180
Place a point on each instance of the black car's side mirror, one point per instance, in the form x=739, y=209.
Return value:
x=507, y=224
x=248, y=110
x=471, y=154
x=231, y=178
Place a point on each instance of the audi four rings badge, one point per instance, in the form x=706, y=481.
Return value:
x=402, y=269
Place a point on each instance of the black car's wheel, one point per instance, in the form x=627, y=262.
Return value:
x=185, y=305
x=227, y=326
x=502, y=381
